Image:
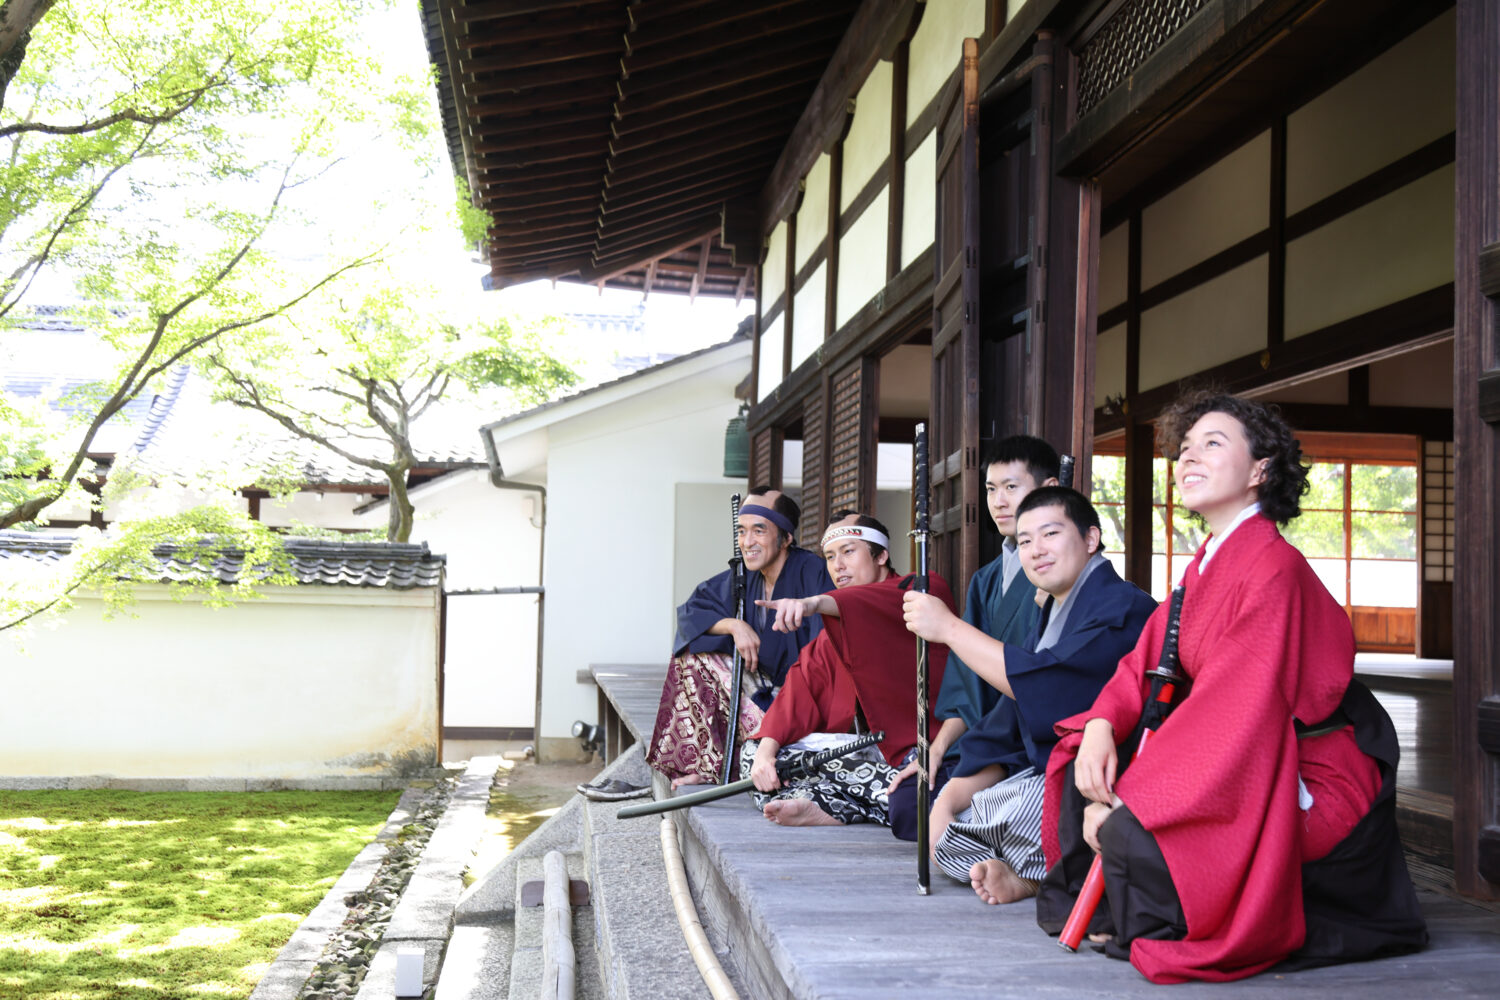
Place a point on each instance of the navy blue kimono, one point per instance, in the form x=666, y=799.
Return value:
x=1061, y=681
x=803, y=575
x=1007, y=615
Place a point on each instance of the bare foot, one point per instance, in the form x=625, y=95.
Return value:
x=995, y=883
x=797, y=812
x=688, y=779
x=1101, y=938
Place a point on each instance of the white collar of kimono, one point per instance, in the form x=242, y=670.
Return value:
x=1217, y=540
x=859, y=531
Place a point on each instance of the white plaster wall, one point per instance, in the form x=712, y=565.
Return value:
x=1220, y=320
x=919, y=205
x=1416, y=378
x=308, y=682
x=773, y=270
x=613, y=476
x=1399, y=102
x=812, y=213
x=490, y=540
x=1114, y=261
x=868, y=143
x=1222, y=205
x=1109, y=364
x=809, y=316
x=1392, y=248
x=772, y=344
x=862, y=260
x=937, y=47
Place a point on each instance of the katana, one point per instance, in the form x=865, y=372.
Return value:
x=737, y=583
x=1166, y=684
x=922, y=525
x=786, y=771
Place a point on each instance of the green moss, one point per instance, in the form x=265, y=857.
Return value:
x=110, y=895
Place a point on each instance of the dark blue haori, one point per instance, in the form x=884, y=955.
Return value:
x=803, y=575
x=1105, y=620
x=1007, y=615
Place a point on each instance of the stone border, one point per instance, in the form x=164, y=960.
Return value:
x=295, y=962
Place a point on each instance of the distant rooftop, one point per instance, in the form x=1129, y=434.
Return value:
x=392, y=565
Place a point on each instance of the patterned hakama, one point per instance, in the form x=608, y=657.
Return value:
x=851, y=789
x=693, y=717
x=1003, y=821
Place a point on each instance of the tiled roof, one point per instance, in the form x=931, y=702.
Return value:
x=314, y=561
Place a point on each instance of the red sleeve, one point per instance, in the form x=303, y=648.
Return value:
x=818, y=697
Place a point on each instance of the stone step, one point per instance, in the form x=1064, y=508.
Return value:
x=641, y=951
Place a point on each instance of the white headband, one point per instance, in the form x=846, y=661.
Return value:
x=859, y=531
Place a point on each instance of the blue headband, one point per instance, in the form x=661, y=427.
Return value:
x=775, y=517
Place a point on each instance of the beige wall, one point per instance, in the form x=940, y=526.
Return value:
x=309, y=682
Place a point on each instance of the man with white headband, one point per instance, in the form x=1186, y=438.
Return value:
x=687, y=744
x=861, y=668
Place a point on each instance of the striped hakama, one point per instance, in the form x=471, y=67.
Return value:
x=1004, y=821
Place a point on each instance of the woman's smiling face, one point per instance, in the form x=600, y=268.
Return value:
x=1215, y=474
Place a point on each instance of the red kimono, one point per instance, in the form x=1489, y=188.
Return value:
x=865, y=653
x=1264, y=642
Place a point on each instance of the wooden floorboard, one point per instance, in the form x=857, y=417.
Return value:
x=838, y=914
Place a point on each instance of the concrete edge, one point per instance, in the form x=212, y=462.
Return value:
x=294, y=963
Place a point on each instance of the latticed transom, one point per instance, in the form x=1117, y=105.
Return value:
x=1125, y=41
x=848, y=418
x=813, y=514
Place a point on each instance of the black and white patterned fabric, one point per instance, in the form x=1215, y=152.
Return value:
x=851, y=789
x=1004, y=821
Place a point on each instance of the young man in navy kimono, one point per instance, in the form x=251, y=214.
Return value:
x=986, y=823
x=687, y=744
x=1000, y=602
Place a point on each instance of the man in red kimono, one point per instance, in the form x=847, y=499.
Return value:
x=862, y=667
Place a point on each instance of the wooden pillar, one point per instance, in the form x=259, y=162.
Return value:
x=1476, y=424
x=1139, y=451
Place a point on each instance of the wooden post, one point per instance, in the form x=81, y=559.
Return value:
x=1476, y=358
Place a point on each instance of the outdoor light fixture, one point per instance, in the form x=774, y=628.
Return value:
x=589, y=735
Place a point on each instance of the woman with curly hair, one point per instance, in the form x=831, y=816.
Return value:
x=1259, y=823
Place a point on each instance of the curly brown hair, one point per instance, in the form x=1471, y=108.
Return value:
x=1270, y=437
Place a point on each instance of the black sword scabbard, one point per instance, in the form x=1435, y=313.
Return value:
x=922, y=526
x=732, y=701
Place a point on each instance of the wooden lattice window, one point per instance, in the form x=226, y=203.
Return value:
x=1125, y=41
x=810, y=529
x=847, y=458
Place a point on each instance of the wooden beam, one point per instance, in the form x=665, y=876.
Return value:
x=650, y=278
x=601, y=92
x=614, y=227
x=634, y=167
x=790, y=88
x=641, y=94
x=805, y=21
x=551, y=75
x=640, y=191
x=869, y=33
x=568, y=23
x=566, y=50
x=594, y=149
x=895, y=206
x=497, y=10
x=738, y=233
x=748, y=114
x=718, y=16
x=717, y=188
x=605, y=269
x=702, y=270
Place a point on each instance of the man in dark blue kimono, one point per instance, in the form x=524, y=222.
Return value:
x=687, y=743
x=987, y=821
x=1000, y=602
